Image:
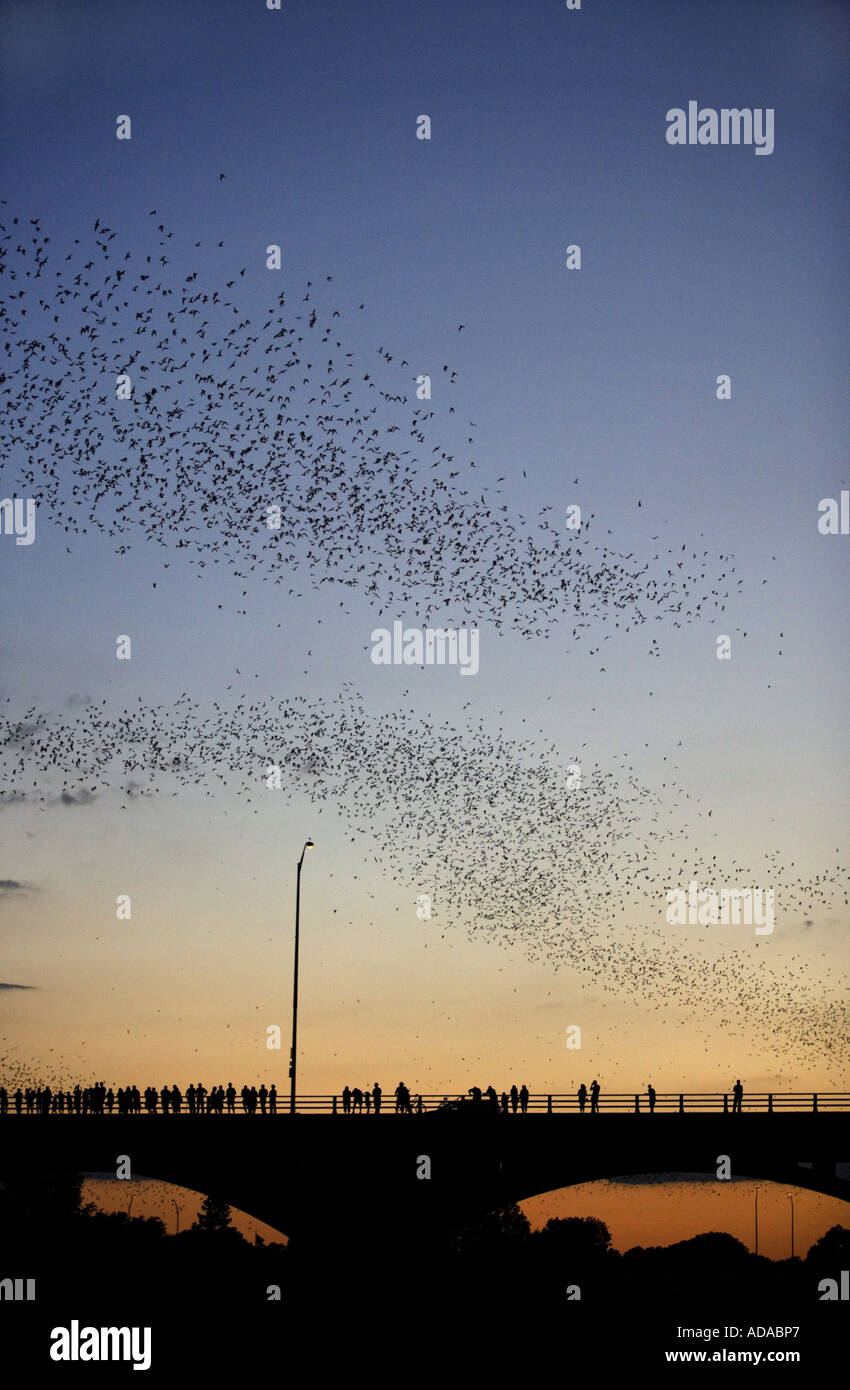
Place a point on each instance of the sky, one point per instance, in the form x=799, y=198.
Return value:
x=593, y=386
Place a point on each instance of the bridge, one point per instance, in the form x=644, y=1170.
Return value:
x=314, y=1175
x=65, y=1102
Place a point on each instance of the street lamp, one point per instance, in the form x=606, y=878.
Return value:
x=177, y=1210
x=791, y=1200
x=292, y=1055
x=757, y=1220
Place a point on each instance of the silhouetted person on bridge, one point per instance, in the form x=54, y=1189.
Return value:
x=514, y=1099
x=650, y=1091
x=490, y=1093
x=503, y=1100
x=264, y=1095
x=582, y=1098
x=594, y=1097
x=376, y=1098
x=400, y=1098
x=737, y=1097
x=523, y=1098
x=230, y=1095
x=357, y=1100
x=273, y=1100
x=346, y=1100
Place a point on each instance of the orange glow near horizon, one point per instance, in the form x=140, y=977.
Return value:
x=648, y=1213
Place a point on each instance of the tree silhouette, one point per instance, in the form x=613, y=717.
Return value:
x=833, y=1248
x=493, y=1232
x=583, y=1237
x=214, y=1215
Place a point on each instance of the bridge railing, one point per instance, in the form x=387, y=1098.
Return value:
x=692, y=1102
x=688, y=1102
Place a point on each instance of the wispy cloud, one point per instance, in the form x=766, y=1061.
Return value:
x=7, y=986
x=80, y=798
x=9, y=798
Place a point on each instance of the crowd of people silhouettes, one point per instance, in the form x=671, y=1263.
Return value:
x=218, y=1100
x=129, y=1100
x=353, y=1100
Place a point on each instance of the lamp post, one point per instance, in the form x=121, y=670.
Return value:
x=177, y=1210
x=791, y=1200
x=757, y=1220
x=292, y=1056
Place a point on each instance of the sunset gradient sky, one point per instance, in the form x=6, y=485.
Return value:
x=548, y=129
